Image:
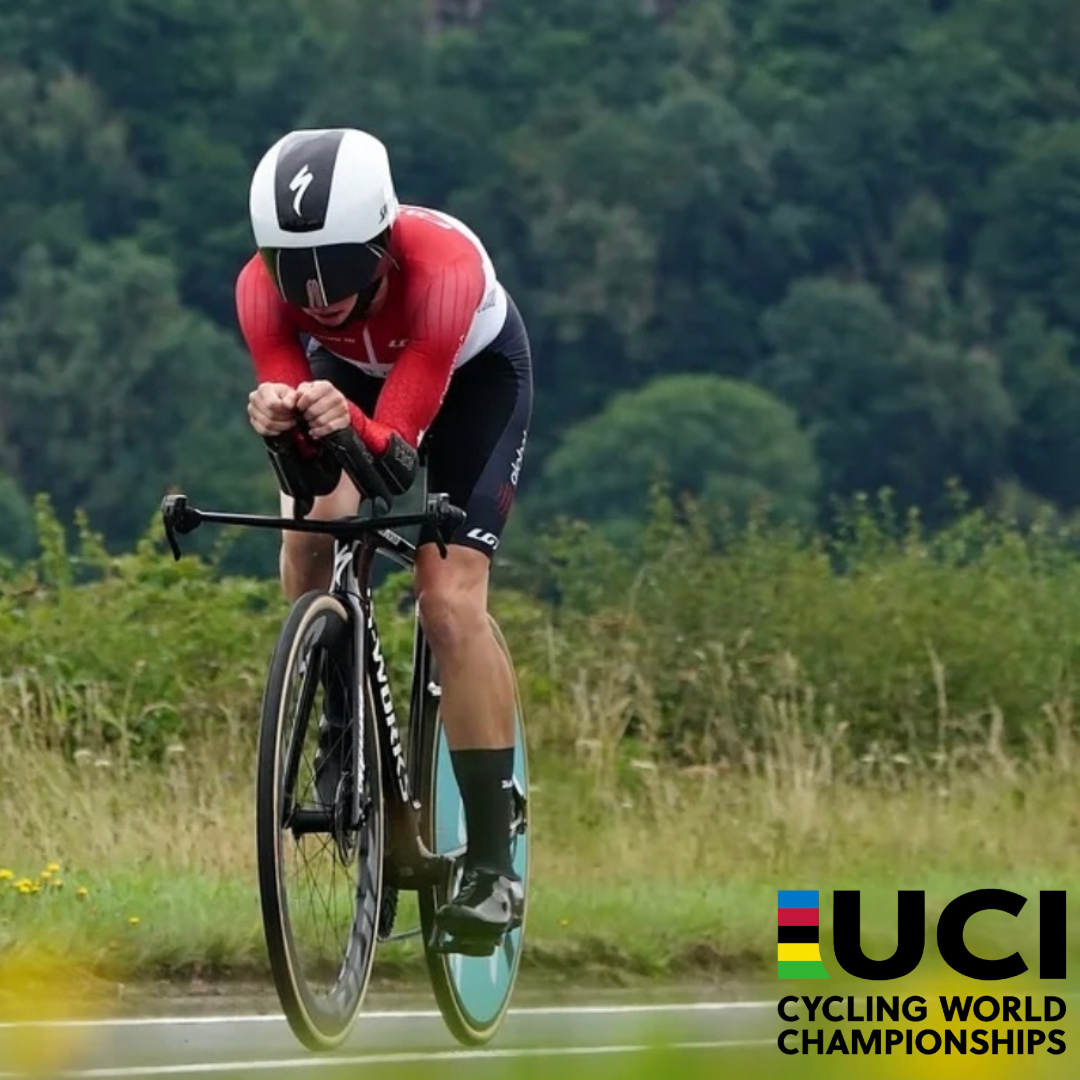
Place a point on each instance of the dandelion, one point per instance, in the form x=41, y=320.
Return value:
x=53, y=868
x=134, y=920
x=24, y=886
x=46, y=874
x=57, y=883
x=5, y=874
x=82, y=892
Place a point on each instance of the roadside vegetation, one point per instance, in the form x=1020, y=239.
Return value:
x=714, y=713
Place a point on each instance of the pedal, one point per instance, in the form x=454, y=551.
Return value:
x=464, y=946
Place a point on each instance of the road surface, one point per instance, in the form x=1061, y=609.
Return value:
x=256, y=1045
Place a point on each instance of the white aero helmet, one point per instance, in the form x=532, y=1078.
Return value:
x=322, y=203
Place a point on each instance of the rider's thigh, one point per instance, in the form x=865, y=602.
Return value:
x=341, y=502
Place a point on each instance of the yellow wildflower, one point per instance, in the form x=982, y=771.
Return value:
x=46, y=874
x=5, y=874
x=82, y=892
x=53, y=868
x=134, y=920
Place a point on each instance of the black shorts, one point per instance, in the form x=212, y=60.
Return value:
x=475, y=446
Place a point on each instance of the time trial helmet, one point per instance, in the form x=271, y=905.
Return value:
x=322, y=207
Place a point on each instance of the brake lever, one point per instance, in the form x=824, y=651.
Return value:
x=178, y=517
x=447, y=518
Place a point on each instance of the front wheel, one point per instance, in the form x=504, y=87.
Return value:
x=473, y=993
x=320, y=850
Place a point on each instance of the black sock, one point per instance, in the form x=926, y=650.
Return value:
x=485, y=779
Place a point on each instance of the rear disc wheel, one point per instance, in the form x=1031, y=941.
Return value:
x=472, y=992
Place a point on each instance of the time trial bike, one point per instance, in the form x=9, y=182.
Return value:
x=351, y=814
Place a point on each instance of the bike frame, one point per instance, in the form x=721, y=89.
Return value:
x=409, y=863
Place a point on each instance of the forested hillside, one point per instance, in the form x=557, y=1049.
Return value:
x=780, y=248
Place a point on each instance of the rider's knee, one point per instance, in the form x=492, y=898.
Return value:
x=451, y=611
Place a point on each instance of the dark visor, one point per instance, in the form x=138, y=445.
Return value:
x=318, y=277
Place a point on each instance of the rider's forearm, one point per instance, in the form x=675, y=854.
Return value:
x=395, y=457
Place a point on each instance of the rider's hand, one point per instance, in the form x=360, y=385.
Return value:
x=272, y=408
x=324, y=407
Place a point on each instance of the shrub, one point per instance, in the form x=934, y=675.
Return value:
x=879, y=640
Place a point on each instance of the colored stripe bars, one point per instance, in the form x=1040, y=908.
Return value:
x=798, y=955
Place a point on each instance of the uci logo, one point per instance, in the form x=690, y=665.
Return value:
x=798, y=944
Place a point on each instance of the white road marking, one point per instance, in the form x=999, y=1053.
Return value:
x=396, y=1014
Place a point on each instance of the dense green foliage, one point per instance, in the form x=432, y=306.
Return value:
x=866, y=208
x=925, y=644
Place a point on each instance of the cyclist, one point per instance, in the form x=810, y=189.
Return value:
x=389, y=318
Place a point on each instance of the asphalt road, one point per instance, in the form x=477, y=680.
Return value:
x=254, y=1045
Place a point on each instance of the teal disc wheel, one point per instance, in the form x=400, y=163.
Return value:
x=472, y=992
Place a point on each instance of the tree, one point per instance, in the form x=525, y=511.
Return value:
x=1045, y=387
x=65, y=166
x=16, y=521
x=885, y=407
x=1030, y=247
x=815, y=45
x=113, y=391
x=706, y=436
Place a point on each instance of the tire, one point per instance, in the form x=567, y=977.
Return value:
x=473, y=993
x=321, y=1020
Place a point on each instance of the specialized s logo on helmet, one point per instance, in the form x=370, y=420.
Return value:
x=321, y=204
x=300, y=183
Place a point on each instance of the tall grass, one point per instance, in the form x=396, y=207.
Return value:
x=883, y=638
x=706, y=726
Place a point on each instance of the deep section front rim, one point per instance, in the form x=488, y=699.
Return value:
x=319, y=878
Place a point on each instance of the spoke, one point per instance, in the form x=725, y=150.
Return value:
x=313, y=875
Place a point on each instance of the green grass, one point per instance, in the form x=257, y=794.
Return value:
x=706, y=728
x=670, y=874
